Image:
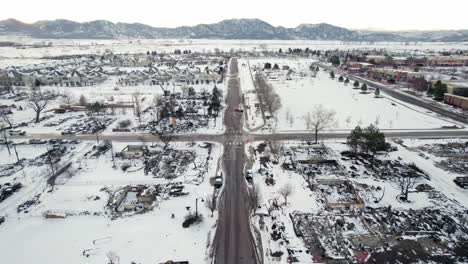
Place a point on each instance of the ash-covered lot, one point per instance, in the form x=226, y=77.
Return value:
x=324, y=203
x=112, y=201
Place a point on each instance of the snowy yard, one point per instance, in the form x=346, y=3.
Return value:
x=299, y=91
x=82, y=193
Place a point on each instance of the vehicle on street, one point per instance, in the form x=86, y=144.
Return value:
x=37, y=141
x=218, y=182
x=462, y=182
x=68, y=132
x=248, y=176
x=17, y=133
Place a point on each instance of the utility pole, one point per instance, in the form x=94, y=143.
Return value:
x=112, y=153
x=16, y=152
x=50, y=162
x=6, y=140
x=196, y=208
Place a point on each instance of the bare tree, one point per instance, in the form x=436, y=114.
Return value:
x=156, y=104
x=6, y=119
x=376, y=196
x=267, y=94
x=320, y=119
x=7, y=143
x=83, y=101
x=211, y=203
x=286, y=190
x=112, y=257
x=275, y=148
x=68, y=99
x=166, y=136
x=99, y=124
x=137, y=105
x=406, y=182
x=274, y=103
x=38, y=103
x=255, y=198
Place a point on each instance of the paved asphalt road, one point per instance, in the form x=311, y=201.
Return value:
x=229, y=136
x=233, y=240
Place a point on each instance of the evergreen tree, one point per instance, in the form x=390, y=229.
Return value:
x=335, y=60
x=364, y=88
x=354, y=139
x=373, y=140
x=377, y=92
x=356, y=84
x=439, y=90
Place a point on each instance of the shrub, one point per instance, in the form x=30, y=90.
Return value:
x=191, y=219
x=125, y=123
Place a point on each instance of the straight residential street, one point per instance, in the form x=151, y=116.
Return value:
x=234, y=241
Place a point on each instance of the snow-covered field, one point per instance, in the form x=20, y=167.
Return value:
x=83, y=46
x=151, y=237
x=303, y=91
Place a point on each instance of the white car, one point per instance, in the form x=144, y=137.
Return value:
x=218, y=182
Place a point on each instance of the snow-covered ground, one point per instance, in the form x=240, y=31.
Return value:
x=92, y=46
x=150, y=237
x=303, y=91
x=446, y=195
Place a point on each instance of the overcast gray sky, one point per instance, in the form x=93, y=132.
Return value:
x=357, y=14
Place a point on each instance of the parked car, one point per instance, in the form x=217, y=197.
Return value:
x=17, y=132
x=37, y=141
x=68, y=132
x=248, y=175
x=462, y=182
x=218, y=182
x=2, y=219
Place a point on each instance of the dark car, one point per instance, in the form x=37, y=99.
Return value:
x=68, y=132
x=462, y=182
x=2, y=219
x=248, y=176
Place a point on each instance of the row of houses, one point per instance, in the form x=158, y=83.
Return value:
x=457, y=94
x=383, y=73
x=57, y=77
x=147, y=60
x=189, y=75
x=420, y=61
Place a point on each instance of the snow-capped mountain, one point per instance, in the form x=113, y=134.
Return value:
x=226, y=29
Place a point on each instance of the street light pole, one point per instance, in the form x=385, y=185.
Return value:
x=196, y=208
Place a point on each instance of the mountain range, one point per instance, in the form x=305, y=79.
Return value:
x=226, y=29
